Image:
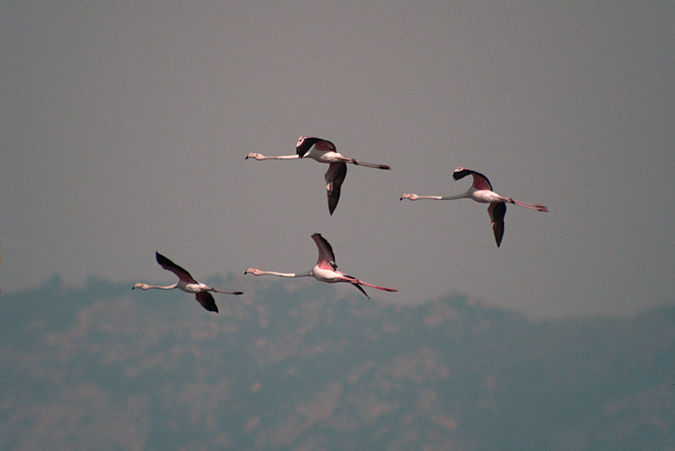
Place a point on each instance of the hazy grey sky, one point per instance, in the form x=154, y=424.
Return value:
x=124, y=130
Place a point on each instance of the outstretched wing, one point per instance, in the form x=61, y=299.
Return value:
x=497, y=211
x=326, y=257
x=206, y=300
x=305, y=143
x=334, y=176
x=174, y=268
x=480, y=182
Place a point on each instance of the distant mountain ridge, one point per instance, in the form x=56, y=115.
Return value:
x=302, y=366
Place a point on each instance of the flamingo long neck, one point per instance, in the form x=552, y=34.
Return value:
x=280, y=157
x=456, y=196
x=284, y=274
x=160, y=287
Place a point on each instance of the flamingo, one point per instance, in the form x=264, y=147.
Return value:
x=325, y=269
x=186, y=283
x=324, y=152
x=481, y=191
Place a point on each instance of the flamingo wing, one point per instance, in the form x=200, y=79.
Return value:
x=305, y=144
x=326, y=256
x=497, y=211
x=480, y=182
x=335, y=176
x=206, y=300
x=174, y=268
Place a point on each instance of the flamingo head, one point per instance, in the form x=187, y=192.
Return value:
x=409, y=196
x=255, y=272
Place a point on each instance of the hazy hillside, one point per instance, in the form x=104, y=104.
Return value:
x=305, y=366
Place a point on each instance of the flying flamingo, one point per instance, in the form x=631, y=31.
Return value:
x=481, y=191
x=324, y=152
x=325, y=269
x=186, y=283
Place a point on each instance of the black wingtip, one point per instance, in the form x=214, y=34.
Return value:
x=461, y=172
x=160, y=258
